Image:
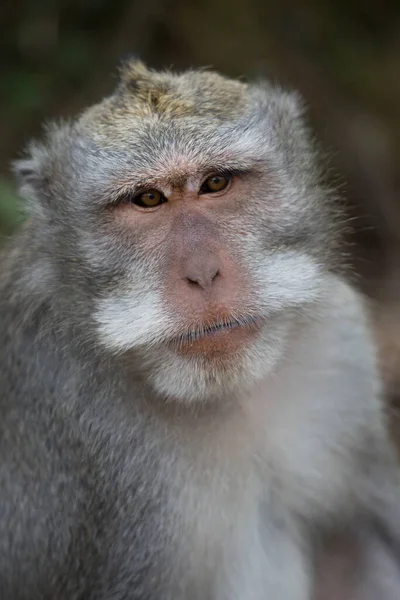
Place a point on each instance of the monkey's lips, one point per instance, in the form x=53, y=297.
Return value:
x=220, y=337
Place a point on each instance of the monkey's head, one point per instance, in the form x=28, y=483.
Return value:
x=187, y=212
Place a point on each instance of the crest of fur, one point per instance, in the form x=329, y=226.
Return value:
x=144, y=92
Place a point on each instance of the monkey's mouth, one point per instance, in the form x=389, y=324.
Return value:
x=220, y=336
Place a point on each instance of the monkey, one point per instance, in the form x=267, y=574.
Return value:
x=190, y=405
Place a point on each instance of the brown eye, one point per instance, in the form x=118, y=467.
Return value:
x=215, y=183
x=149, y=199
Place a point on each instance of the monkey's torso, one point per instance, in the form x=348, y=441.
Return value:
x=108, y=495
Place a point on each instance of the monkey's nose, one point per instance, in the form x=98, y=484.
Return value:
x=201, y=272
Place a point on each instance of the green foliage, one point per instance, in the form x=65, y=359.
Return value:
x=10, y=208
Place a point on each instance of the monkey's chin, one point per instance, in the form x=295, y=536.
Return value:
x=218, y=341
x=209, y=372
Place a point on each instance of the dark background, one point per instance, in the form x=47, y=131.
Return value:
x=343, y=56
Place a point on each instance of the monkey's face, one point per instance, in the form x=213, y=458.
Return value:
x=213, y=258
x=204, y=239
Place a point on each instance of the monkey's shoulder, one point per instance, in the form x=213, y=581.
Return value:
x=78, y=511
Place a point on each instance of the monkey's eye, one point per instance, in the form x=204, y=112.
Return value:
x=215, y=183
x=149, y=199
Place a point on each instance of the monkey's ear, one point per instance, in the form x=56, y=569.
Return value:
x=30, y=174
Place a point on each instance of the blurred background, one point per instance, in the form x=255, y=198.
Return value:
x=343, y=56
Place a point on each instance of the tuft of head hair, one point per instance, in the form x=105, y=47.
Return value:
x=166, y=94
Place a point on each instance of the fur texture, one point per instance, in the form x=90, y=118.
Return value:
x=130, y=470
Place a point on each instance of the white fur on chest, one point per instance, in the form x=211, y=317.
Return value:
x=237, y=536
x=242, y=549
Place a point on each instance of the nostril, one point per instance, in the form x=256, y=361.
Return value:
x=203, y=281
x=192, y=281
x=200, y=273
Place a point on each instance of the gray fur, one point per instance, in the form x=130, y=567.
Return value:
x=129, y=473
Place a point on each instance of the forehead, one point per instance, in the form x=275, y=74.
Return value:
x=150, y=147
